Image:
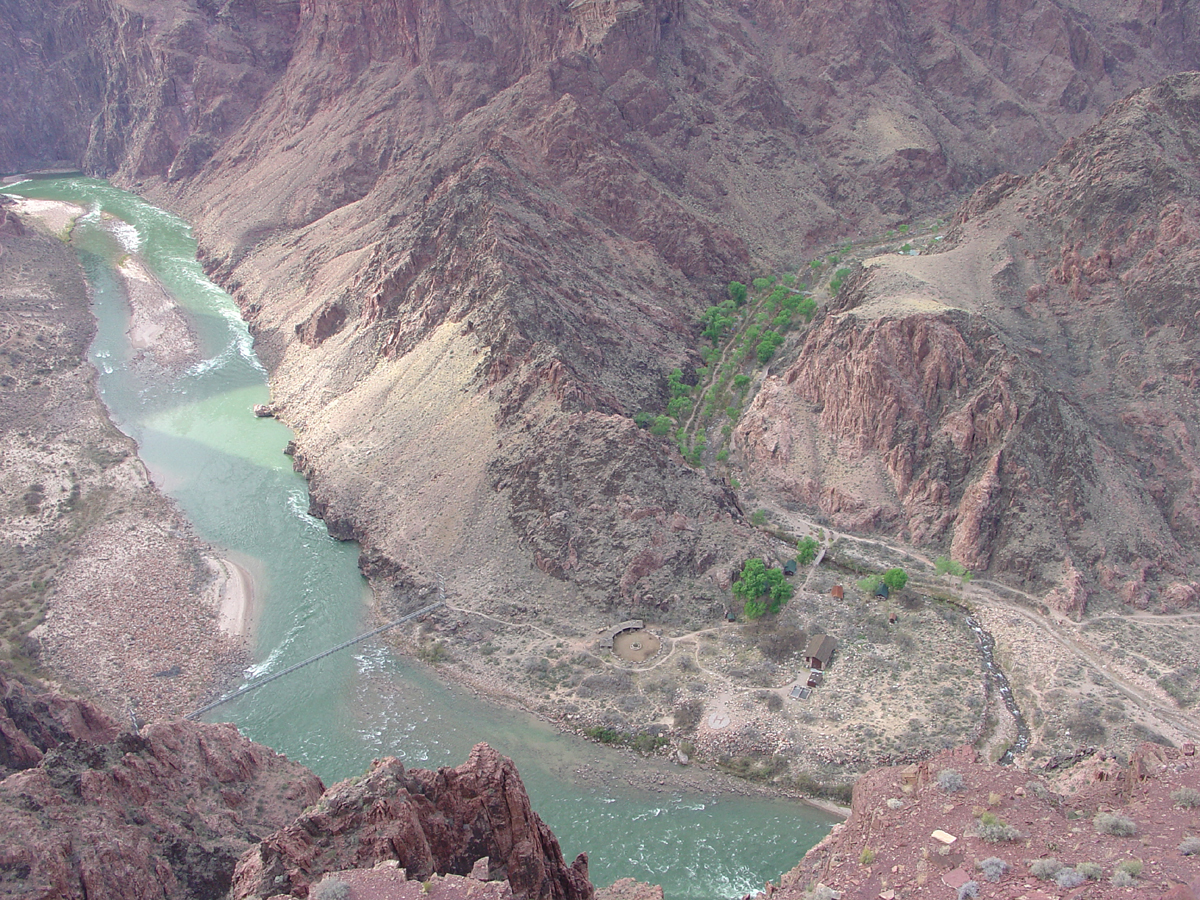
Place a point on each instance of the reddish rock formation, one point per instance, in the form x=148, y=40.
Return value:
x=33, y=721
x=894, y=816
x=440, y=822
x=160, y=814
x=1026, y=396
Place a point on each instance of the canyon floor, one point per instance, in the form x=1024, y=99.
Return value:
x=907, y=678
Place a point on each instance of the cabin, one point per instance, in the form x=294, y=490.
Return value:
x=882, y=591
x=838, y=592
x=789, y=568
x=820, y=651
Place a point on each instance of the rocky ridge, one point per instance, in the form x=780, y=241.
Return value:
x=1035, y=418
x=168, y=810
x=425, y=822
x=1052, y=821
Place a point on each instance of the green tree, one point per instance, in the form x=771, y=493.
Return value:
x=675, y=383
x=806, y=550
x=757, y=582
x=947, y=566
x=768, y=345
x=662, y=426
x=644, y=419
x=761, y=284
x=737, y=292
x=751, y=584
x=807, y=307
x=716, y=320
x=895, y=579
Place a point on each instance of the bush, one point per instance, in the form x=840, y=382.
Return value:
x=1122, y=879
x=1186, y=798
x=806, y=550
x=949, y=780
x=993, y=868
x=1068, y=878
x=737, y=292
x=1089, y=870
x=1190, y=846
x=895, y=579
x=1132, y=866
x=867, y=856
x=662, y=426
x=1111, y=823
x=761, y=284
x=1045, y=868
x=970, y=889
x=869, y=584
x=993, y=830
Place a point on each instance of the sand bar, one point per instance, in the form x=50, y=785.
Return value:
x=234, y=598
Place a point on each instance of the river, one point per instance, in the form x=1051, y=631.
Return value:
x=227, y=471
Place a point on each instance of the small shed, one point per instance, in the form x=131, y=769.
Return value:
x=820, y=651
x=882, y=590
x=838, y=592
x=789, y=568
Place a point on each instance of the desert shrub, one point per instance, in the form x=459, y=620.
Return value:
x=1068, y=878
x=1089, y=870
x=867, y=856
x=993, y=868
x=687, y=715
x=970, y=889
x=330, y=889
x=949, y=780
x=993, y=830
x=1114, y=824
x=1190, y=846
x=1044, y=868
x=1187, y=798
x=1122, y=879
x=895, y=803
x=780, y=643
x=1132, y=866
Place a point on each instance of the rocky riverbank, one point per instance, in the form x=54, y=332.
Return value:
x=109, y=590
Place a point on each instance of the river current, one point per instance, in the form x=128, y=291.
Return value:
x=227, y=471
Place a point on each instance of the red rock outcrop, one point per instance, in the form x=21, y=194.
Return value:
x=895, y=813
x=440, y=822
x=159, y=814
x=1026, y=396
x=33, y=721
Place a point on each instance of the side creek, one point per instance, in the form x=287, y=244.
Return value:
x=999, y=683
x=227, y=471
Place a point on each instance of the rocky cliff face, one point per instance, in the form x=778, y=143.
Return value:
x=428, y=823
x=162, y=813
x=1024, y=398
x=33, y=721
x=516, y=213
x=167, y=812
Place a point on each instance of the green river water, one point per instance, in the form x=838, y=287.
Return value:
x=227, y=471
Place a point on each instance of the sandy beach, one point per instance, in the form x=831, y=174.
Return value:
x=233, y=590
x=56, y=215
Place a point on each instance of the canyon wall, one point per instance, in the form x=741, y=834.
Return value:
x=1026, y=396
x=472, y=241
